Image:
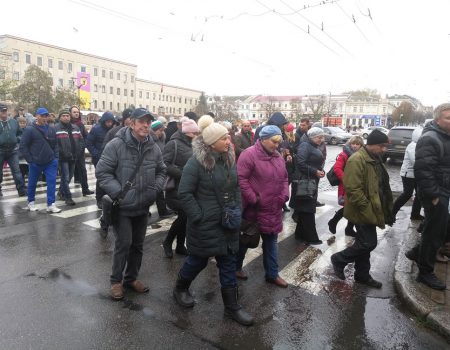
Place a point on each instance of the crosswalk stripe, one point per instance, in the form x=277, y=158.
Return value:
x=57, y=203
x=65, y=214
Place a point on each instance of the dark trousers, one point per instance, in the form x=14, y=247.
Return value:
x=409, y=185
x=226, y=264
x=178, y=229
x=99, y=193
x=67, y=170
x=338, y=215
x=81, y=174
x=161, y=203
x=129, y=234
x=306, y=227
x=359, y=252
x=434, y=234
x=12, y=158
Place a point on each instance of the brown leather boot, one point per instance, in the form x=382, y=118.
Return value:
x=138, y=286
x=116, y=291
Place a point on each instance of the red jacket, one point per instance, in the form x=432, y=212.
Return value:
x=339, y=166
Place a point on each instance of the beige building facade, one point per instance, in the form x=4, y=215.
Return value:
x=101, y=83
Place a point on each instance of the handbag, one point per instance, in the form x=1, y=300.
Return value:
x=250, y=234
x=110, y=207
x=170, y=183
x=306, y=187
x=332, y=177
x=231, y=213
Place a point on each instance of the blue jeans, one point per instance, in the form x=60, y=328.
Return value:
x=12, y=158
x=270, y=255
x=35, y=172
x=67, y=169
x=193, y=265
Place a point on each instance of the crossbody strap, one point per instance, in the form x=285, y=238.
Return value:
x=43, y=135
x=130, y=180
x=175, y=154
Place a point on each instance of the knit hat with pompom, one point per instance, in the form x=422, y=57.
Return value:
x=211, y=131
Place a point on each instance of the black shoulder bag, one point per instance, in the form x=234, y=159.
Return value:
x=110, y=207
x=231, y=213
x=170, y=183
x=307, y=187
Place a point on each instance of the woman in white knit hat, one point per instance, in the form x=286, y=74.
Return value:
x=209, y=181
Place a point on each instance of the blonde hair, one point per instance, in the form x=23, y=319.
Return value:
x=276, y=138
x=355, y=140
x=290, y=136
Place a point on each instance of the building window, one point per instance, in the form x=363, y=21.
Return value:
x=154, y=109
x=83, y=69
x=159, y=97
x=15, y=56
x=103, y=73
x=179, y=101
x=103, y=105
x=111, y=90
x=118, y=76
x=60, y=83
x=154, y=96
x=361, y=108
x=39, y=61
x=124, y=106
x=118, y=106
x=69, y=67
x=103, y=88
x=95, y=87
x=71, y=83
x=147, y=95
x=125, y=78
x=140, y=94
x=191, y=101
x=95, y=72
x=28, y=58
x=132, y=78
x=111, y=74
x=147, y=107
x=50, y=63
x=185, y=111
x=118, y=91
x=110, y=106
x=354, y=109
x=125, y=92
x=95, y=104
x=179, y=110
x=167, y=98
x=60, y=65
x=16, y=76
x=132, y=93
x=2, y=74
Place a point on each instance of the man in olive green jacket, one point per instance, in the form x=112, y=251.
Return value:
x=368, y=204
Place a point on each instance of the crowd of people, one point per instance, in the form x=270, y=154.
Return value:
x=212, y=177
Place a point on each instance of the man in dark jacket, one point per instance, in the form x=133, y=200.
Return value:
x=432, y=173
x=94, y=144
x=126, y=121
x=40, y=149
x=244, y=139
x=80, y=163
x=10, y=133
x=114, y=169
x=368, y=204
x=69, y=137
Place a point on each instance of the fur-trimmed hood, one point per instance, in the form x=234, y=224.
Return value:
x=205, y=155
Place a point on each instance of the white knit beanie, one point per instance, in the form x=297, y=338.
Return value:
x=211, y=131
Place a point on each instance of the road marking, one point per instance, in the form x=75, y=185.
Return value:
x=65, y=214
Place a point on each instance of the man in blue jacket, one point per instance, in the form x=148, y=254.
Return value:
x=40, y=149
x=94, y=143
x=9, y=137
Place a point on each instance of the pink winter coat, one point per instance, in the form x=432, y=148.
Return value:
x=264, y=187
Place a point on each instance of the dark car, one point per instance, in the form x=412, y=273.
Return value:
x=399, y=138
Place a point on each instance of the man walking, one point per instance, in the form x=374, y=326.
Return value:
x=68, y=136
x=114, y=170
x=80, y=163
x=10, y=133
x=432, y=173
x=368, y=205
x=40, y=149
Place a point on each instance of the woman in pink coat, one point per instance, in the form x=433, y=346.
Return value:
x=264, y=189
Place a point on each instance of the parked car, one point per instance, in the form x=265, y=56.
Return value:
x=399, y=138
x=335, y=135
x=366, y=132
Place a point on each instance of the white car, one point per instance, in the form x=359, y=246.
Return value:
x=365, y=132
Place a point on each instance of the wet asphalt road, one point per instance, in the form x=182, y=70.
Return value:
x=54, y=290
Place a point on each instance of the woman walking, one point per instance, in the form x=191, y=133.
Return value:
x=208, y=183
x=309, y=166
x=176, y=153
x=264, y=189
x=352, y=145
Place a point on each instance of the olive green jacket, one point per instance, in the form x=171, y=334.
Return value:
x=362, y=203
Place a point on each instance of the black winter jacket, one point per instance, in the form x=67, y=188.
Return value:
x=69, y=141
x=116, y=165
x=432, y=165
x=37, y=148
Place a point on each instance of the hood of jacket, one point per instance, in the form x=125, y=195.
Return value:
x=178, y=135
x=416, y=134
x=204, y=154
x=277, y=119
x=107, y=116
x=433, y=126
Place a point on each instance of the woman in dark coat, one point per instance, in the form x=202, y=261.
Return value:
x=209, y=173
x=176, y=153
x=309, y=164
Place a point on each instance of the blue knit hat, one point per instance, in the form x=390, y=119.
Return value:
x=269, y=131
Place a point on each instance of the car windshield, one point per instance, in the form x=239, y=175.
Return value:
x=401, y=134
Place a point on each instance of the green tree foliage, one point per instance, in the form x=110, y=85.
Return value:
x=6, y=87
x=364, y=93
x=36, y=90
x=404, y=114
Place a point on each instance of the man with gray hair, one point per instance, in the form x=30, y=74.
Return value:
x=432, y=172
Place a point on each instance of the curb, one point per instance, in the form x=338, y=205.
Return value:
x=415, y=295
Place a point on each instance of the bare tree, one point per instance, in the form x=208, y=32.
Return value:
x=403, y=114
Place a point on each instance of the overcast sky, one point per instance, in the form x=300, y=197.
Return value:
x=237, y=47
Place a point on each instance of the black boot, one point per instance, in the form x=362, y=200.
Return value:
x=233, y=309
x=332, y=224
x=349, y=230
x=167, y=243
x=181, y=249
x=181, y=292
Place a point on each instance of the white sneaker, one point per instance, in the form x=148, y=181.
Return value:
x=53, y=209
x=32, y=207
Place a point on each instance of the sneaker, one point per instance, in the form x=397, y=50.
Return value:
x=69, y=201
x=370, y=282
x=32, y=207
x=430, y=280
x=53, y=209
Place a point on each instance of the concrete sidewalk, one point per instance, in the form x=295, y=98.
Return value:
x=430, y=305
